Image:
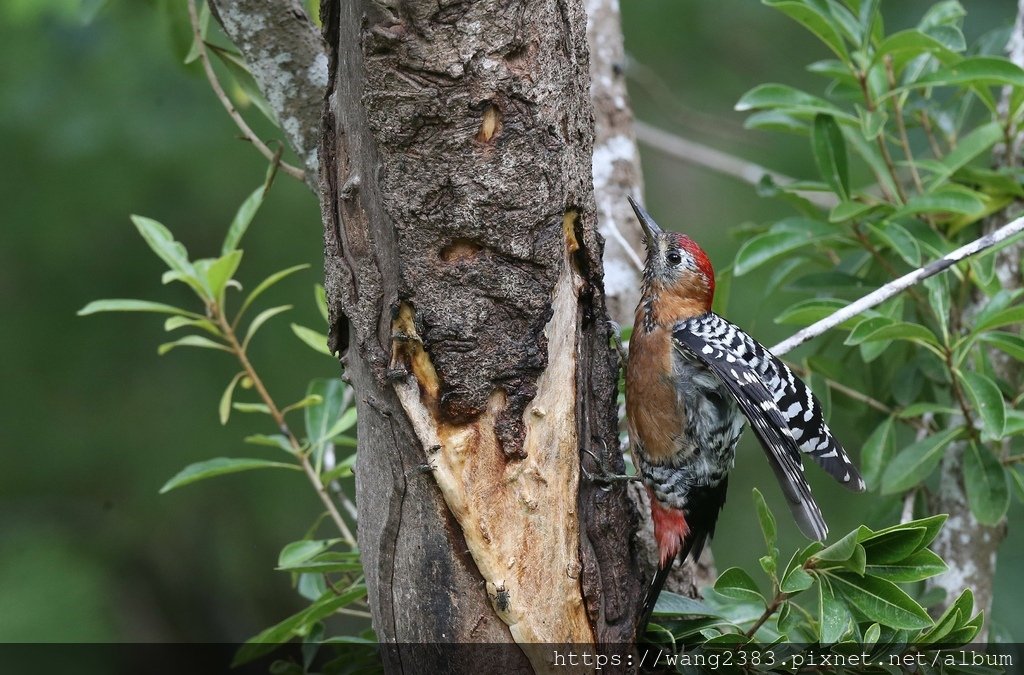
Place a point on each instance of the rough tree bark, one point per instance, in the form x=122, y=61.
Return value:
x=461, y=245
x=289, y=62
x=969, y=547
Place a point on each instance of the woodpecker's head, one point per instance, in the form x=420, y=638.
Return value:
x=679, y=281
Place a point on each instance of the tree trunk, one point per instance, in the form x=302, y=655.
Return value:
x=464, y=278
x=969, y=547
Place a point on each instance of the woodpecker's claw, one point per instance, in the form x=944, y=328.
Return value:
x=604, y=474
x=617, y=341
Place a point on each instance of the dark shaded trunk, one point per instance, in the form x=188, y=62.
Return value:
x=464, y=278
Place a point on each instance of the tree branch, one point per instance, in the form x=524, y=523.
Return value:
x=893, y=288
x=286, y=56
x=239, y=121
x=721, y=162
x=616, y=160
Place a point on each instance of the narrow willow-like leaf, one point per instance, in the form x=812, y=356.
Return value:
x=220, y=466
x=265, y=284
x=243, y=217
x=127, y=305
x=316, y=340
x=262, y=318
x=224, y=409
x=916, y=462
x=191, y=341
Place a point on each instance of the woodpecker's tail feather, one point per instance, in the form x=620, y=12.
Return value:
x=702, y=515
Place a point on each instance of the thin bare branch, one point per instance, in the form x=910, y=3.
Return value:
x=893, y=288
x=720, y=162
x=236, y=117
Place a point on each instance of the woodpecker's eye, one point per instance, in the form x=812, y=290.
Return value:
x=673, y=258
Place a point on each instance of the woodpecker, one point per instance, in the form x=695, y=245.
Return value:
x=692, y=381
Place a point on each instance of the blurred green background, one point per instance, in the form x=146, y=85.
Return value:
x=100, y=120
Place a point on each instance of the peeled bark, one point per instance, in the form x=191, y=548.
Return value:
x=464, y=279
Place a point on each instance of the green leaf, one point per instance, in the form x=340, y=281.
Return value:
x=943, y=201
x=841, y=550
x=918, y=566
x=297, y=624
x=916, y=462
x=305, y=402
x=985, y=480
x=822, y=24
x=162, y=242
x=243, y=217
x=766, y=519
x=301, y=551
x=262, y=318
x=175, y=322
x=124, y=305
x=807, y=312
x=735, y=583
x=882, y=601
x=323, y=418
x=191, y=341
x=988, y=402
x=931, y=525
x=1009, y=343
x=874, y=454
x=908, y=44
x=938, y=299
x=866, y=327
x=320, y=295
x=273, y=441
x=342, y=469
x=789, y=100
x=844, y=211
x=221, y=272
x=975, y=70
x=872, y=122
x=833, y=616
x=220, y=466
x=1005, y=317
x=967, y=148
x=768, y=246
x=317, y=341
x=326, y=563
x=893, y=546
x=225, y=400
x=672, y=604
x=896, y=237
x=796, y=581
x=773, y=120
x=267, y=283
x=899, y=330
x=830, y=154
x=251, y=407
x=204, y=26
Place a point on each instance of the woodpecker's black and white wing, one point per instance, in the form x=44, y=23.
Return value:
x=767, y=421
x=798, y=405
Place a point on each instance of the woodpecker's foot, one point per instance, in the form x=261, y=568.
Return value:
x=617, y=341
x=604, y=474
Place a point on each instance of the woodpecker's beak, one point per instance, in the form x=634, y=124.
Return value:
x=650, y=228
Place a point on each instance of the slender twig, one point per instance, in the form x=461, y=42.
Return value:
x=721, y=162
x=282, y=424
x=901, y=126
x=769, y=610
x=897, y=286
x=926, y=124
x=239, y=121
x=869, y=103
